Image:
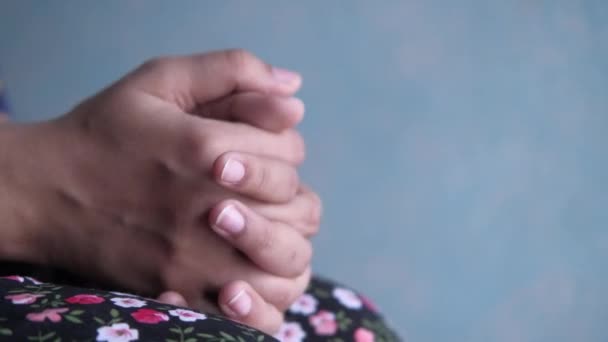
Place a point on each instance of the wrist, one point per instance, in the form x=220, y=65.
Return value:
x=22, y=230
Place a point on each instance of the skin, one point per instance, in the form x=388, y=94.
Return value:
x=128, y=187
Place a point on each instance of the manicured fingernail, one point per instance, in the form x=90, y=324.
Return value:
x=233, y=171
x=284, y=75
x=240, y=304
x=230, y=220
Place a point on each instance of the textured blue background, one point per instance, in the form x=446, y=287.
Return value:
x=460, y=146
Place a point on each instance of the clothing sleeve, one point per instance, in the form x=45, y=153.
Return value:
x=3, y=101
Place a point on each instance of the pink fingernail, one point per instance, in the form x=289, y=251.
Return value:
x=240, y=304
x=233, y=171
x=230, y=220
x=284, y=75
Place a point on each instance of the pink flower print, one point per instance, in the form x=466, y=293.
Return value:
x=118, y=332
x=149, y=316
x=52, y=314
x=290, y=332
x=23, y=298
x=371, y=306
x=364, y=335
x=85, y=299
x=14, y=277
x=304, y=305
x=187, y=315
x=128, y=302
x=324, y=323
x=347, y=298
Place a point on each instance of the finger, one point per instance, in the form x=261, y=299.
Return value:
x=240, y=302
x=274, y=246
x=303, y=212
x=278, y=291
x=188, y=81
x=220, y=137
x=265, y=111
x=172, y=298
x=265, y=179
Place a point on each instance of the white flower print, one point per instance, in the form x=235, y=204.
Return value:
x=128, y=302
x=290, y=332
x=122, y=294
x=347, y=298
x=13, y=277
x=304, y=305
x=23, y=298
x=118, y=332
x=187, y=315
x=34, y=281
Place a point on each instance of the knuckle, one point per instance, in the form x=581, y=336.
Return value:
x=230, y=106
x=293, y=294
x=213, y=147
x=265, y=239
x=316, y=209
x=286, y=296
x=238, y=59
x=260, y=178
x=299, y=147
x=275, y=324
x=302, y=282
x=308, y=252
x=293, y=183
x=160, y=63
x=281, y=299
x=300, y=259
x=198, y=150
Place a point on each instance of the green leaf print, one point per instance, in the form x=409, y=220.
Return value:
x=114, y=313
x=321, y=293
x=48, y=336
x=41, y=338
x=73, y=319
x=227, y=336
x=207, y=336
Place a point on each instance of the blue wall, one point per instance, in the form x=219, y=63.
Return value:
x=461, y=147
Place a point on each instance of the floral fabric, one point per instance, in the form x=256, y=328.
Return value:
x=31, y=310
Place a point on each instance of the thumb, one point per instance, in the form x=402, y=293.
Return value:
x=240, y=302
x=189, y=81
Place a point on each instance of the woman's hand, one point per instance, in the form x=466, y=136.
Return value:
x=120, y=188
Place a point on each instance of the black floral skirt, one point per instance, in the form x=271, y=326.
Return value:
x=31, y=310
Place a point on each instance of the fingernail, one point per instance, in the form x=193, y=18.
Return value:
x=233, y=171
x=284, y=75
x=172, y=298
x=230, y=220
x=240, y=304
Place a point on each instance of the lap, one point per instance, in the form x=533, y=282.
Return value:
x=34, y=311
